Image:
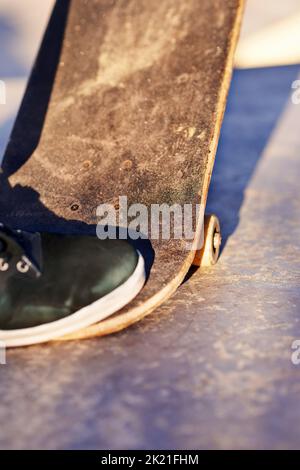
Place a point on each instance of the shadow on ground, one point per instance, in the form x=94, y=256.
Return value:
x=246, y=130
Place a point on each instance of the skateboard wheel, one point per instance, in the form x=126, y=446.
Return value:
x=209, y=253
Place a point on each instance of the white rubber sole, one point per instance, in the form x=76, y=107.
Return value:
x=93, y=313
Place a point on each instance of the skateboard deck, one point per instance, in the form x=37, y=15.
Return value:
x=126, y=98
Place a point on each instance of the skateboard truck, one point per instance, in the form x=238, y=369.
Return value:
x=20, y=253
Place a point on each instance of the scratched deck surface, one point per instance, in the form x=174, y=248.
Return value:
x=126, y=99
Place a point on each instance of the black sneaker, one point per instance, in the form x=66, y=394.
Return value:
x=83, y=280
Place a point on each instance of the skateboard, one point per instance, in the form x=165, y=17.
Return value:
x=126, y=98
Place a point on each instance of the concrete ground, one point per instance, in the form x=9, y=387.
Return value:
x=212, y=367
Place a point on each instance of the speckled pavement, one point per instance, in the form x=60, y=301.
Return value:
x=212, y=367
